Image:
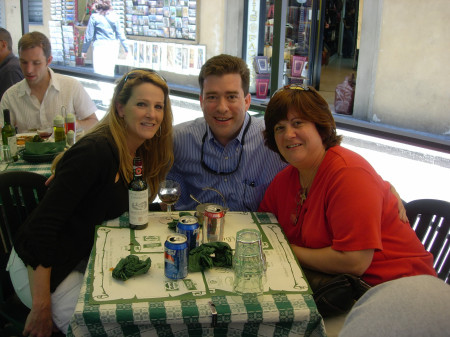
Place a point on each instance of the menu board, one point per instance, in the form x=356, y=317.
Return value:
x=169, y=19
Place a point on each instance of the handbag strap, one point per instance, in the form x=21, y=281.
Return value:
x=111, y=24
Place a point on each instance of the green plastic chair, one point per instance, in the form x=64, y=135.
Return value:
x=20, y=193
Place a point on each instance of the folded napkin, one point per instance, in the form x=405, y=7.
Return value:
x=212, y=254
x=39, y=148
x=131, y=266
x=173, y=224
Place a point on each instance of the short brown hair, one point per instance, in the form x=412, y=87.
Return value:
x=310, y=107
x=5, y=36
x=102, y=5
x=224, y=64
x=35, y=39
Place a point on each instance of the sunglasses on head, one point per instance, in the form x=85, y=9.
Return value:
x=293, y=86
x=134, y=74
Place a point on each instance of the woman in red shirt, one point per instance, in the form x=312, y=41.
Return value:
x=338, y=214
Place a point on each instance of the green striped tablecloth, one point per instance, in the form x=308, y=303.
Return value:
x=152, y=305
x=22, y=165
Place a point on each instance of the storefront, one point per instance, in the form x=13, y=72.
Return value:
x=282, y=42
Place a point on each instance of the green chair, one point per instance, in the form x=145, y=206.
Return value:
x=20, y=192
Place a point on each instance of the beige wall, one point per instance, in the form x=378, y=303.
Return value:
x=406, y=82
x=12, y=21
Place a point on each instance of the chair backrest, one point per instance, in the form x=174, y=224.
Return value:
x=430, y=219
x=20, y=192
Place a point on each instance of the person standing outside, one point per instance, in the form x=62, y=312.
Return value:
x=103, y=30
x=225, y=148
x=10, y=72
x=40, y=96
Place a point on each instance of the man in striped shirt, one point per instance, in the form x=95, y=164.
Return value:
x=223, y=150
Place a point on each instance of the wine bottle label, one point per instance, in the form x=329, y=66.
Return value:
x=12, y=142
x=138, y=207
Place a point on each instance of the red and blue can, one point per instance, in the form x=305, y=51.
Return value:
x=188, y=225
x=176, y=256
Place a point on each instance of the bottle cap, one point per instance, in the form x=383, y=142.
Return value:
x=70, y=118
x=58, y=121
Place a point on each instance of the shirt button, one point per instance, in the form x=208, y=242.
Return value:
x=226, y=157
x=225, y=179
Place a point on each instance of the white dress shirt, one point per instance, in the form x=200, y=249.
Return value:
x=63, y=91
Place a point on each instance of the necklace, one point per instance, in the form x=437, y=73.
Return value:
x=303, y=193
x=301, y=196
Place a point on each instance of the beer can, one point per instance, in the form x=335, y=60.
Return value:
x=176, y=256
x=213, y=223
x=188, y=225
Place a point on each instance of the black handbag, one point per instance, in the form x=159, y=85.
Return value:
x=335, y=294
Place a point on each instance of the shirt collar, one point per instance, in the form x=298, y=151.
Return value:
x=25, y=88
x=239, y=136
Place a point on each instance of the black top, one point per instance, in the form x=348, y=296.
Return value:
x=83, y=194
x=10, y=73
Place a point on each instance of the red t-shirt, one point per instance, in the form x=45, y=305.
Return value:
x=349, y=207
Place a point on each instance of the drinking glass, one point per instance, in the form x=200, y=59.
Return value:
x=7, y=158
x=169, y=192
x=249, y=263
x=45, y=132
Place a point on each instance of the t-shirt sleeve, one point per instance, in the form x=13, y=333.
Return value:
x=354, y=210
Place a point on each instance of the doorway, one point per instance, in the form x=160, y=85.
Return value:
x=340, y=45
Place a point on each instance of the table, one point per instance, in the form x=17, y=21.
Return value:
x=22, y=165
x=152, y=305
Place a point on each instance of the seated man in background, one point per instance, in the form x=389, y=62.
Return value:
x=225, y=148
x=36, y=100
x=10, y=72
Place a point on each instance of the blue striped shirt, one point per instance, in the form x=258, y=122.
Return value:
x=244, y=189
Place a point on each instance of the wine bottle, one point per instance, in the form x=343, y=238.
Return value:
x=138, y=197
x=9, y=135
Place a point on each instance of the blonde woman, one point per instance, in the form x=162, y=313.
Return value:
x=89, y=187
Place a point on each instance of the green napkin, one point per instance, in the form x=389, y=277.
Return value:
x=200, y=258
x=131, y=266
x=173, y=224
x=44, y=148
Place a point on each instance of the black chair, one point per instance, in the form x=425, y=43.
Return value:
x=430, y=219
x=20, y=192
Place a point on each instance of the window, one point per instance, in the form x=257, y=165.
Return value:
x=2, y=14
x=35, y=12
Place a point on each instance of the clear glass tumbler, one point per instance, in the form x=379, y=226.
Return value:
x=249, y=263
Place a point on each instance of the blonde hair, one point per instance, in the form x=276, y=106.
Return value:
x=156, y=153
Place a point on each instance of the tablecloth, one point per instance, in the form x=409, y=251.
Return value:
x=152, y=305
x=22, y=165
